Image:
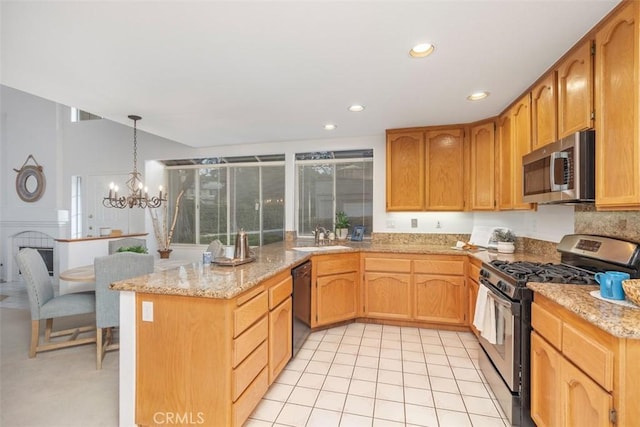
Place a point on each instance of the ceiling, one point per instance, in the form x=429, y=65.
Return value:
x=209, y=73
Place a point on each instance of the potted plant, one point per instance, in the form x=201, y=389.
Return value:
x=137, y=249
x=505, y=240
x=342, y=225
x=163, y=233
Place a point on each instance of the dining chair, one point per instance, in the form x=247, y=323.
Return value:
x=44, y=305
x=109, y=269
x=114, y=245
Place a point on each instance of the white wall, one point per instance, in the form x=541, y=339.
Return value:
x=32, y=125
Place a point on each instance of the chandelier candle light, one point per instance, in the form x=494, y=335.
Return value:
x=136, y=196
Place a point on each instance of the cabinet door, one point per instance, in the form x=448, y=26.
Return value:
x=575, y=91
x=543, y=112
x=387, y=295
x=521, y=145
x=483, y=167
x=337, y=298
x=445, y=170
x=617, y=121
x=473, y=297
x=440, y=299
x=280, y=338
x=585, y=404
x=405, y=171
x=545, y=375
x=504, y=165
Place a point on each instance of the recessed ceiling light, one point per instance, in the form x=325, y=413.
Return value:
x=356, y=108
x=330, y=126
x=478, y=96
x=421, y=50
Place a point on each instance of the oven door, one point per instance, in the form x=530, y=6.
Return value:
x=502, y=348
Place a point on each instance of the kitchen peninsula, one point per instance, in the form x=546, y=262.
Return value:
x=200, y=340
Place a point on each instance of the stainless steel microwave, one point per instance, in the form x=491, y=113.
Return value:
x=561, y=172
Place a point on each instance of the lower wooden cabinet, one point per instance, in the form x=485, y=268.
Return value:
x=387, y=295
x=337, y=298
x=439, y=299
x=335, y=282
x=580, y=375
x=545, y=377
x=280, y=338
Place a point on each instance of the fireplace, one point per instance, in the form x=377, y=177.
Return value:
x=43, y=243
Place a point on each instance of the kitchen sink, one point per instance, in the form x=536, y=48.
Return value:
x=319, y=248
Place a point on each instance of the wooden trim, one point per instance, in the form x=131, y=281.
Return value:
x=84, y=239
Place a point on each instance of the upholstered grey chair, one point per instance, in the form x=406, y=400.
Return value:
x=109, y=269
x=114, y=245
x=46, y=306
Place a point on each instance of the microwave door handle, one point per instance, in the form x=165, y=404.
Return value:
x=552, y=170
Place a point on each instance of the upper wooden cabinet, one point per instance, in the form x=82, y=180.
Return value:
x=575, y=90
x=405, y=171
x=543, y=112
x=504, y=164
x=618, y=110
x=425, y=169
x=520, y=145
x=445, y=170
x=483, y=157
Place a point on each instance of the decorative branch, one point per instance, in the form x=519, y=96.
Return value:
x=164, y=236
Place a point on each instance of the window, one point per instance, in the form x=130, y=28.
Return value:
x=328, y=182
x=223, y=195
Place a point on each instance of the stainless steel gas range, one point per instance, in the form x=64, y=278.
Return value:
x=505, y=359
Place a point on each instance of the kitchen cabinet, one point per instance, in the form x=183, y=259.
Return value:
x=617, y=103
x=473, y=280
x=504, y=164
x=445, y=170
x=421, y=290
x=520, y=145
x=405, y=171
x=280, y=325
x=483, y=158
x=335, y=288
x=425, y=169
x=579, y=373
x=575, y=90
x=387, y=287
x=543, y=112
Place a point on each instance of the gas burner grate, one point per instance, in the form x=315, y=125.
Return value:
x=524, y=271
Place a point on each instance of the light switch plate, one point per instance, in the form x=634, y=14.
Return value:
x=147, y=311
x=414, y=222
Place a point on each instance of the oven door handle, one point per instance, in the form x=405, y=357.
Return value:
x=512, y=306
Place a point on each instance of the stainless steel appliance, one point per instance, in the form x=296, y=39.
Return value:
x=561, y=172
x=301, y=305
x=505, y=359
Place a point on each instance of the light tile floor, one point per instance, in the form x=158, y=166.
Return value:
x=374, y=375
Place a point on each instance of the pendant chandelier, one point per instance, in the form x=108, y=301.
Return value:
x=138, y=195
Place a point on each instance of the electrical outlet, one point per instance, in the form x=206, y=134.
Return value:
x=147, y=311
x=438, y=225
x=391, y=223
x=414, y=222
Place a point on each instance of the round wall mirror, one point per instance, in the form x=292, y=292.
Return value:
x=30, y=183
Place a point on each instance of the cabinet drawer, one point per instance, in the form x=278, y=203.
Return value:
x=595, y=359
x=547, y=325
x=249, y=340
x=332, y=264
x=250, y=399
x=248, y=370
x=247, y=314
x=392, y=265
x=280, y=292
x=438, y=266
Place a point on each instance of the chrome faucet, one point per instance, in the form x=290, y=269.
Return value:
x=321, y=235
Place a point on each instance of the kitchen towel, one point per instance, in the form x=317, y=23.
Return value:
x=481, y=301
x=489, y=322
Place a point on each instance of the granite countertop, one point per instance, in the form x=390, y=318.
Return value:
x=619, y=321
x=214, y=281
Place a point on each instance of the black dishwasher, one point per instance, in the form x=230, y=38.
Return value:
x=301, y=305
